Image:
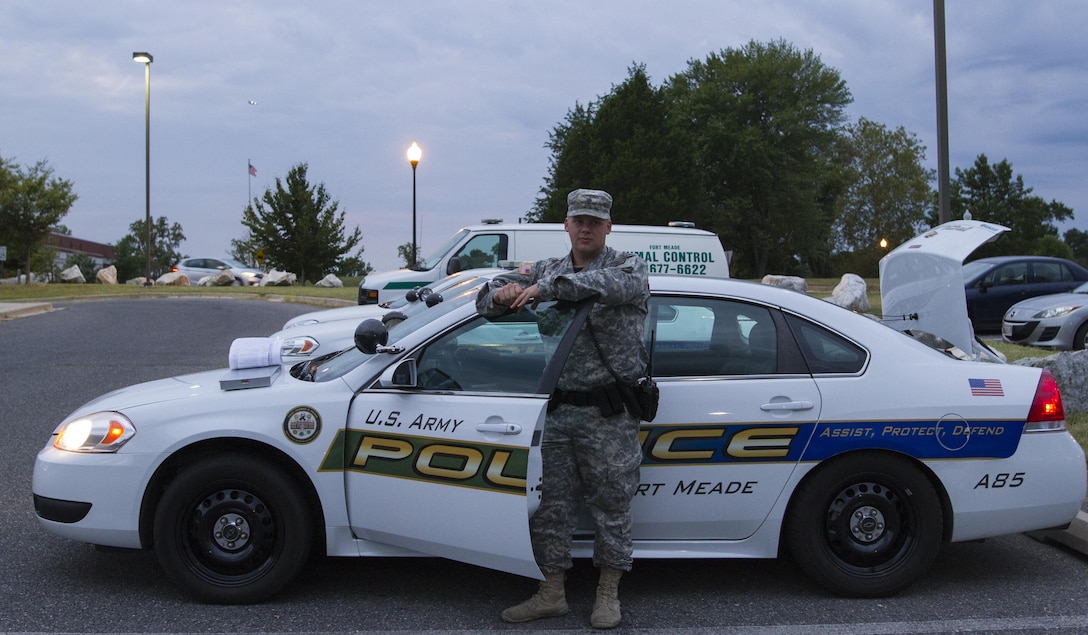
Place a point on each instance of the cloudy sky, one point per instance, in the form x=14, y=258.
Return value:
x=347, y=85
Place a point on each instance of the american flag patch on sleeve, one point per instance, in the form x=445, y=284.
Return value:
x=986, y=388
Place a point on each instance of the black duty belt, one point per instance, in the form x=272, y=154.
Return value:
x=609, y=399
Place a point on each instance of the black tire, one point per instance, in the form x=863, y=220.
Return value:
x=232, y=530
x=867, y=525
x=1081, y=336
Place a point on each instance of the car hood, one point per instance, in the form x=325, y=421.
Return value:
x=1038, y=303
x=921, y=281
x=157, y=391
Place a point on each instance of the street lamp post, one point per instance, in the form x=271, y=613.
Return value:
x=414, y=155
x=145, y=58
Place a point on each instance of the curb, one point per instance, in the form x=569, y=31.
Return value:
x=12, y=310
x=1075, y=536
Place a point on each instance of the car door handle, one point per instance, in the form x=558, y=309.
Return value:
x=501, y=428
x=787, y=405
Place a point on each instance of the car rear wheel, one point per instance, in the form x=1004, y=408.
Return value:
x=232, y=530
x=867, y=525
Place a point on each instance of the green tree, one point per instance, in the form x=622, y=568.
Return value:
x=887, y=192
x=299, y=227
x=993, y=193
x=245, y=249
x=404, y=252
x=129, y=258
x=621, y=143
x=32, y=201
x=764, y=120
x=130, y=253
x=1051, y=245
x=1078, y=243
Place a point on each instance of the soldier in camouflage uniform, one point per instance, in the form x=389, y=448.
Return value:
x=590, y=447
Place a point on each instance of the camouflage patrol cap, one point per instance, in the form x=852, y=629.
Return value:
x=597, y=203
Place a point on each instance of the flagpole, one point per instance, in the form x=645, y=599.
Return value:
x=249, y=181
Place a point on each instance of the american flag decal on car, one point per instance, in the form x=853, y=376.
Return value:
x=986, y=388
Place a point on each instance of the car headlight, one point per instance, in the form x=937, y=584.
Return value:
x=1054, y=312
x=299, y=346
x=101, y=432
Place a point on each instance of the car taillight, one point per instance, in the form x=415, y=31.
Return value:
x=173, y=269
x=1047, y=412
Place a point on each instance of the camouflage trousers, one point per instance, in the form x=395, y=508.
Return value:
x=593, y=461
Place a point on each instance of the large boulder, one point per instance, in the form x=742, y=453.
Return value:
x=1070, y=370
x=851, y=293
x=72, y=274
x=329, y=281
x=222, y=279
x=793, y=283
x=106, y=275
x=173, y=279
x=278, y=279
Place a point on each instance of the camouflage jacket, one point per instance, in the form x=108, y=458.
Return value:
x=620, y=282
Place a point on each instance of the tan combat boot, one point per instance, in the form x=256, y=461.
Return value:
x=606, y=610
x=550, y=601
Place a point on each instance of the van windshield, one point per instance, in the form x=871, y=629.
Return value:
x=436, y=258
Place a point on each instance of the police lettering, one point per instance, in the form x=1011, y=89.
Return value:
x=713, y=444
x=390, y=419
x=434, y=423
x=438, y=462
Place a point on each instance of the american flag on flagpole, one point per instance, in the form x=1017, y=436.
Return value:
x=252, y=170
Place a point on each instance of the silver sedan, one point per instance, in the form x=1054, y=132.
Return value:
x=1059, y=320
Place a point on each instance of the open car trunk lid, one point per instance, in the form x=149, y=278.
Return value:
x=921, y=281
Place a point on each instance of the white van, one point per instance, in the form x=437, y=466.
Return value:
x=678, y=248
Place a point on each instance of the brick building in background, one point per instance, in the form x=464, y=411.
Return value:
x=64, y=246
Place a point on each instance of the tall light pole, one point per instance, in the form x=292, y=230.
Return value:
x=414, y=155
x=145, y=58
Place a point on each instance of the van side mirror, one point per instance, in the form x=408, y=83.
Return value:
x=453, y=266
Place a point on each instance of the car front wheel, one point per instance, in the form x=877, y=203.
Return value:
x=232, y=530
x=1081, y=338
x=867, y=525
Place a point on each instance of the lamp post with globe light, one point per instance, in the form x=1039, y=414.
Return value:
x=414, y=155
x=141, y=57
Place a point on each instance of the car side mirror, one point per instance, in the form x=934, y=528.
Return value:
x=453, y=266
x=402, y=375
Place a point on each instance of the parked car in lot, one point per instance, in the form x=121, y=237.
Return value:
x=787, y=425
x=197, y=268
x=995, y=284
x=322, y=332
x=1059, y=321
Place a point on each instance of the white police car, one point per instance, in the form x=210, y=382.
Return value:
x=786, y=425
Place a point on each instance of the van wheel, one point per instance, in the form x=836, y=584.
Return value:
x=867, y=525
x=232, y=530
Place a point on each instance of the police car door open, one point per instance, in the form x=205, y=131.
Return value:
x=447, y=462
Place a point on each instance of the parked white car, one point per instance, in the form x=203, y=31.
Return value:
x=786, y=425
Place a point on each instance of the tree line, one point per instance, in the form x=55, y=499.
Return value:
x=752, y=143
